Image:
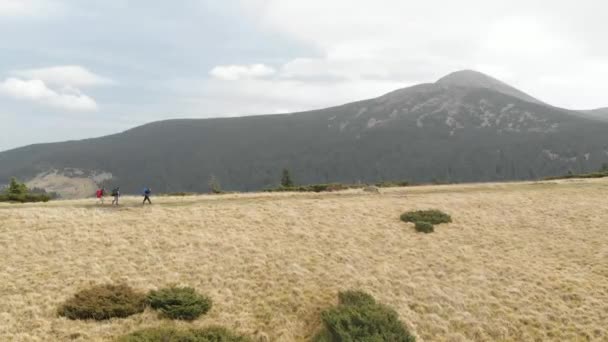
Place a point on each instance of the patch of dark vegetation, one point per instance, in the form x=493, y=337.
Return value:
x=25, y=198
x=424, y=227
x=39, y=191
x=316, y=188
x=392, y=184
x=179, y=303
x=178, y=194
x=334, y=187
x=104, y=302
x=169, y=334
x=358, y=317
x=288, y=185
x=351, y=297
x=18, y=192
x=599, y=174
x=429, y=216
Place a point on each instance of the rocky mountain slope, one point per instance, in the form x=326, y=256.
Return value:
x=465, y=127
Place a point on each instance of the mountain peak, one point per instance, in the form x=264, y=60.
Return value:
x=476, y=79
x=469, y=78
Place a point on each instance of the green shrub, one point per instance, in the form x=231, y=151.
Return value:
x=179, y=303
x=599, y=174
x=360, y=318
x=168, y=334
x=392, y=184
x=104, y=302
x=424, y=227
x=19, y=193
x=355, y=298
x=178, y=194
x=322, y=187
x=429, y=216
x=52, y=195
x=316, y=188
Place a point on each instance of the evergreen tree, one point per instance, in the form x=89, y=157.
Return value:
x=214, y=185
x=16, y=188
x=18, y=192
x=286, y=180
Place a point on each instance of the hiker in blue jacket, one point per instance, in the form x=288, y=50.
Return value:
x=147, y=193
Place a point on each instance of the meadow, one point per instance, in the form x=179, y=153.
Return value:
x=519, y=262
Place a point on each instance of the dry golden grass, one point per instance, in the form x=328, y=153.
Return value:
x=521, y=262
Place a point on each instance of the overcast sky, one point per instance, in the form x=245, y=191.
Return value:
x=72, y=69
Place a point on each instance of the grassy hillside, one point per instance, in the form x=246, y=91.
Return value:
x=513, y=265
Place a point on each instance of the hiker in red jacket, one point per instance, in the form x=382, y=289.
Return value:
x=100, y=194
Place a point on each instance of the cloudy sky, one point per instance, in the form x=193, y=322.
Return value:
x=72, y=69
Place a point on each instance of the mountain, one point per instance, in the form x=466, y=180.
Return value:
x=465, y=127
x=475, y=79
x=601, y=113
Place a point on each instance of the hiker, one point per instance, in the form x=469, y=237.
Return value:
x=147, y=193
x=100, y=194
x=115, y=194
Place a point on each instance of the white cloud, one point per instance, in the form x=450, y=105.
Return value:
x=271, y=96
x=27, y=8
x=37, y=91
x=238, y=72
x=525, y=43
x=65, y=75
x=15, y=7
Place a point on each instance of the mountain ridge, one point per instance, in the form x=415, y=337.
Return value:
x=445, y=131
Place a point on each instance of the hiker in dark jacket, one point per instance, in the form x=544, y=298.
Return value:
x=147, y=193
x=116, y=195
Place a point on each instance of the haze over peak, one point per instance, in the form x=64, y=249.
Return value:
x=476, y=79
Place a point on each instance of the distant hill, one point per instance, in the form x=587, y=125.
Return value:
x=601, y=113
x=465, y=127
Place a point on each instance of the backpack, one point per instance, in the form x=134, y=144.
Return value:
x=114, y=192
x=99, y=193
x=147, y=191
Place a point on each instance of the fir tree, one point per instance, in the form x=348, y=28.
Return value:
x=286, y=180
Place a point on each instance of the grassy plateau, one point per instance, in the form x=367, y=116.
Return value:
x=518, y=262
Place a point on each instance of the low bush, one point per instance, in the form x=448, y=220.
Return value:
x=392, y=184
x=424, y=227
x=40, y=191
x=104, y=302
x=168, y=334
x=359, y=318
x=179, y=303
x=371, y=189
x=25, y=198
x=333, y=187
x=19, y=192
x=599, y=174
x=429, y=216
x=316, y=188
x=355, y=298
x=178, y=194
